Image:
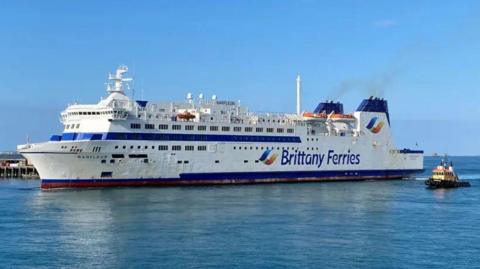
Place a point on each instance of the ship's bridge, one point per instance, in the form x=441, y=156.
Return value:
x=116, y=106
x=86, y=112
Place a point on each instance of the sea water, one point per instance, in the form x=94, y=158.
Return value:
x=370, y=224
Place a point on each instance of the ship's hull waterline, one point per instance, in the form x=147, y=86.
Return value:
x=223, y=179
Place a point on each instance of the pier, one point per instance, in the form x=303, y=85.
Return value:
x=13, y=165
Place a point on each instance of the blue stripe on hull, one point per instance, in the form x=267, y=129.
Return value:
x=177, y=137
x=233, y=178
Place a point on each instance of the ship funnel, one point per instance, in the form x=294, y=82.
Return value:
x=374, y=104
x=328, y=107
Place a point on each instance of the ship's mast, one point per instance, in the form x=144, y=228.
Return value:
x=118, y=80
x=299, y=85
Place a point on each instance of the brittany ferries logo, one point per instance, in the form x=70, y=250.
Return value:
x=300, y=157
x=268, y=157
x=375, y=127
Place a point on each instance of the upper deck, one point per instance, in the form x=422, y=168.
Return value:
x=119, y=113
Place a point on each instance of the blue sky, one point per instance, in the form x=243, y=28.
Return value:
x=423, y=56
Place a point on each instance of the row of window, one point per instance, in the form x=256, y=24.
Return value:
x=190, y=137
x=278, y=148
x=212, y=128
x=165, y=147
x=443, y=173
x=72, y=126
x=204, y=148
x=91, y=113
x=112, y=161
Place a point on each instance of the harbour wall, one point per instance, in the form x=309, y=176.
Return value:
x=13, y=165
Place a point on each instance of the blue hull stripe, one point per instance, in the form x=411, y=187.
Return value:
x=241, y=177
x=175, y=137
x=297, y=174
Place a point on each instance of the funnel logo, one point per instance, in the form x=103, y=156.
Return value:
x=268, y=157
x=375, y=127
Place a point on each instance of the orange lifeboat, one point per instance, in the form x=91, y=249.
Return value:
x=185, y=116
x=341, y=117
x=314, y=115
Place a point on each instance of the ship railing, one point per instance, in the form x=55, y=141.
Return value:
x=406, y=151
x=346, y=134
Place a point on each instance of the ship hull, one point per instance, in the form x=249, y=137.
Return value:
x=233, y=178
x=225, y=164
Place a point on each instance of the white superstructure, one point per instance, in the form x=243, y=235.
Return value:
x=120, y=141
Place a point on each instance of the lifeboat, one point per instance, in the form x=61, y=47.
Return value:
x=341, y=117
x=186, y=116
x=312, y=115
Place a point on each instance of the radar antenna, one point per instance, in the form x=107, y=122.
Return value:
x=118, y=80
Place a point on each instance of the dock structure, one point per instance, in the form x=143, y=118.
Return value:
x=13, y=165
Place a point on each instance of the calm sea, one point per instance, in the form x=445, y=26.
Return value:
x=371, y=224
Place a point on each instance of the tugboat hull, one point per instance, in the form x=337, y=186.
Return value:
x=446, y=183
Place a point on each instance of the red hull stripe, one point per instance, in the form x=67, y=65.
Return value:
x=231, y=178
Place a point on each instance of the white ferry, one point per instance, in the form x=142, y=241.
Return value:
x=125, y=142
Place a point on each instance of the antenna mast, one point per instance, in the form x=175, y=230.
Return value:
x=299, y=86
x=118, y=80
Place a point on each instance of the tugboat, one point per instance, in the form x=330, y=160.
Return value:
x=444, y=176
